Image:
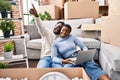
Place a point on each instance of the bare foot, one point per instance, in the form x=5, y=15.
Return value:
x=104, y=77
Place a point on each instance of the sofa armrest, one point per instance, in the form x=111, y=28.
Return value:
x=19, y=46
x=112, y=54
x=26, y=36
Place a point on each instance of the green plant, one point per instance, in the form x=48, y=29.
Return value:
x=45, y=16
x=8, y=46
x=5, y=5
x=3, y=65
x=6, y=25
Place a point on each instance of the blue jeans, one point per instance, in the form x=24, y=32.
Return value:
x=58, y=65
x=93, y=70
x=45, y=62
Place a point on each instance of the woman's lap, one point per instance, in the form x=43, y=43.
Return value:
x=93, y=70
x=45, y=62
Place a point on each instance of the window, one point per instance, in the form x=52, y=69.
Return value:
x=27, y=4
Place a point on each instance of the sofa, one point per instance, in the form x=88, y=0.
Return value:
x=34, y=42
x=109, y=60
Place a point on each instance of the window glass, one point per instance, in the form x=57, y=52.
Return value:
x=26, y=7
x=27, y=4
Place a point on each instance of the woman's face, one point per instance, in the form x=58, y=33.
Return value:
x=65, y=31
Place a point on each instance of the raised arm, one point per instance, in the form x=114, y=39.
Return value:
x=41, y=29
x=33, y=11
x=55, y=54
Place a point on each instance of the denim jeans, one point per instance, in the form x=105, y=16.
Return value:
x=93, y=70
x=45, y=62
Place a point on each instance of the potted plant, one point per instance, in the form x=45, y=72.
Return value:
x=6, y=25
x=4, y=7
x=45, y=16
x=8, y=50
x=3, y=65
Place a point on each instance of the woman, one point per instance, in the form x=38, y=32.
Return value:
x=64, y=48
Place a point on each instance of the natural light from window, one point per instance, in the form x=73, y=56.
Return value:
x=27, y=4
x=26, y=7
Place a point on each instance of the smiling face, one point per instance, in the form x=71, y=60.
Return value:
x=57, y=29
x=65, y=31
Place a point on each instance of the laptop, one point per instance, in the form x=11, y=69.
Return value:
x=84, y=56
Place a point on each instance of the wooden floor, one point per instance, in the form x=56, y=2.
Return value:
x=32, y=64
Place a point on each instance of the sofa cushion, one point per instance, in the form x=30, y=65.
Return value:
x=112, y=53
x=32, y=31
x=74, y=24
x=34, y=44
x=90, y=42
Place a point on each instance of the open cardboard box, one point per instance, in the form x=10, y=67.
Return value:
x=91, y=30
x=91, y=27
x=36, y=74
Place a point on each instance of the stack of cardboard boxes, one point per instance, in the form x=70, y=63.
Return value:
x=53, y=10
x=60, y=4
x=111, y=25
x=54, y=7
x=70, y=9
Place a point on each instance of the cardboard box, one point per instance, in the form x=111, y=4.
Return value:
x=91, y=34
x=84, y=0
x=71, y=0
x=91, y=30
x=82, y=9
x=60, y=4
x=44, y=2
x=36, y=74
x=91, y=27
x=110, y=30
x=106, y=3
x=51, y=9
x=114, y=7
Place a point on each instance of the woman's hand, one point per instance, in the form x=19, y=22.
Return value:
x=66, y=61
x=33, y=11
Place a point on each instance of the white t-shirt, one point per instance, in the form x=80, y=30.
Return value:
x=47, y=38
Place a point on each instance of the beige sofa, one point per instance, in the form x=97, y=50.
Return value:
x=34, y=43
